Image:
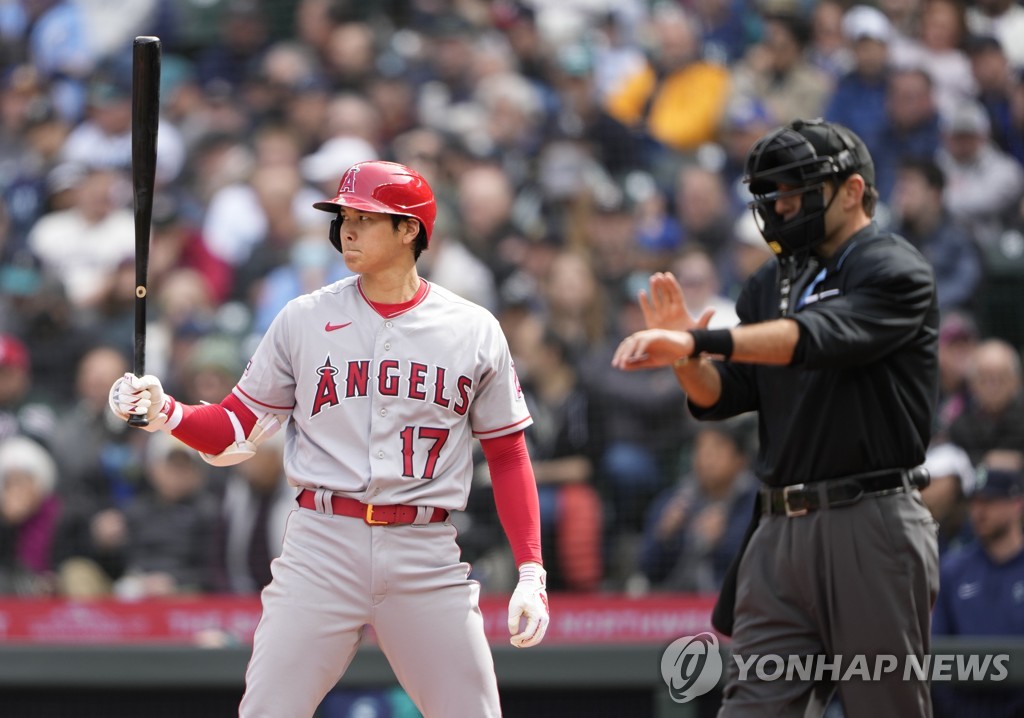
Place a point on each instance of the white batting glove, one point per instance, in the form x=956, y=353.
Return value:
x=141, y=395
x=529, y=601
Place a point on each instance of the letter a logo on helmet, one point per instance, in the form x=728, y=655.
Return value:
x=387, y=187
x=348, y=182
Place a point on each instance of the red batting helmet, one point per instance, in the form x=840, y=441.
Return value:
x=388, y=187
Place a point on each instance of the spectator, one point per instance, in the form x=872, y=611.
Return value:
x=177, y=242
x=922, y=218
x=453, y=266
x=100, y=471
x=574, y=303
x=170, y=530
x=958, y=338
x=830, y=50
x=19, y=415
x=564, y=446
x=911, y=129
x=702, y=208
x=52, y=34
x=938, y=50
x=981, y=586
x=485, y=201
x=581, y=115
x=1002, y=19
x=746, y=120
x=104, y=138
x=243, y=37
x=104, y=232
x=647, y=429
x=694, y=529
x=984, y=184
x=859, y=98
x=29, y=511
x=747, y=251
x=54, y=336
x=778, y=72
x=616, y=55
x=249, y=530
x=1000, y=92
x=995, y=417
x=677, y=100
x=311, y=264
x=695, y=269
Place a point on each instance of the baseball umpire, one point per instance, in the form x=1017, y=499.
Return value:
x=382, y=381
x=837, y=353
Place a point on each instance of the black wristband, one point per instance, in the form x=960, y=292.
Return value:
x=712, y=341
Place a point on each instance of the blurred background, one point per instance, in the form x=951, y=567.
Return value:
x=574, y=148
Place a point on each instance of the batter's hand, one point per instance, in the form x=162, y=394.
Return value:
x=140, y=395
x=665, y=306
x=652, y=348
x=529, y=601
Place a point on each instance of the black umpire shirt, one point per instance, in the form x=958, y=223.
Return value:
x=862, y=388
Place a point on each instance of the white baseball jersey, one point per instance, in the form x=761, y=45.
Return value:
x=384, y=408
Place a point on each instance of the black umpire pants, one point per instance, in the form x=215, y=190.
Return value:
x=861, y=579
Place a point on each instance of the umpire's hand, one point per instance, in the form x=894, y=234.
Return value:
x=530, y=602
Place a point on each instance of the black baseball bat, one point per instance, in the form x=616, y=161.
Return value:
x=145, y=123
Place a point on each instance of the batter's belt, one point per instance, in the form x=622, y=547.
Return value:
x=372, y=514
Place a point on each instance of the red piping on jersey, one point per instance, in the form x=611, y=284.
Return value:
x=390, y=311
x=257, y=401
x=483, y=434
x=515, y=493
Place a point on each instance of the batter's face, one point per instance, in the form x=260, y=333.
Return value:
x=371, y=243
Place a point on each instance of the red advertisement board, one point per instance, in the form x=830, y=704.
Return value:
x=575, y=619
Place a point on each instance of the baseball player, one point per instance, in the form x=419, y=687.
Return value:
x=381, y=381
x=837, y=353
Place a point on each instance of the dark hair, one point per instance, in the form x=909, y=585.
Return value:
x=798, y=27
x=421, y=239
x=927, y=168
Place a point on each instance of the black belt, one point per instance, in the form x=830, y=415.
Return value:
x=799, y=499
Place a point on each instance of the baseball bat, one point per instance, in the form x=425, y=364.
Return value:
x=145, y=123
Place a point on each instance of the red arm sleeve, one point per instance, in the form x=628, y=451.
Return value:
x=515, y=494
x=207, y=428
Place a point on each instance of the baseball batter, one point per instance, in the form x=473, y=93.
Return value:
x=381, y=382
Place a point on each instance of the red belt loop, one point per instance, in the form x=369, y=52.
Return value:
x=372, y=514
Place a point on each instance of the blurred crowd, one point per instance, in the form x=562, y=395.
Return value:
x=574, y=148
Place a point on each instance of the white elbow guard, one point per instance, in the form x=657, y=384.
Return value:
x=244, y=447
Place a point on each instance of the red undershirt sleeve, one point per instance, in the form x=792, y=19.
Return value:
x=207, y=428
x=515, y=494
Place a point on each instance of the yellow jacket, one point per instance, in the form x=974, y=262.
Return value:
x=687, y=109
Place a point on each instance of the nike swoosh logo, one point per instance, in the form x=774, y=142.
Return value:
x=331, y=327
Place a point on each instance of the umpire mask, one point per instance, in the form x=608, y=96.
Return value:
x=803, y=156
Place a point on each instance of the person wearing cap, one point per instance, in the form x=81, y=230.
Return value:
x=836, y=352
x=19, y=412
x=984, y=184
x=998, y=92
x=982, y=583
x=29, y=513
x=958, y=337
x=858, y=100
